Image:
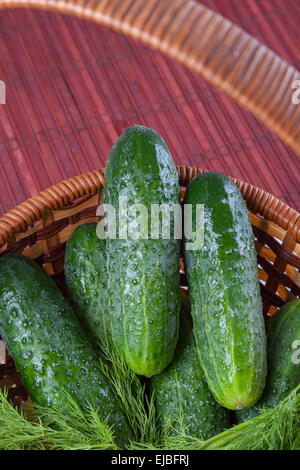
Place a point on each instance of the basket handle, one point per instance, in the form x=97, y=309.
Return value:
x=206, y=42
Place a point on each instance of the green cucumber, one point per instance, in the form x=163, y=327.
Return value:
x=86, y=279
x=182, y=397
x=143, y=274
x=224, y=289
x=50, y=348
x=283, y=334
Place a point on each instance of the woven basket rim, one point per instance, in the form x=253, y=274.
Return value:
x=23, y=216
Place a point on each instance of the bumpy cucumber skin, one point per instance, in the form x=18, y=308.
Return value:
x=86, y=278
x=50, y=348
x=182, y=396
x=225, y=296
x=143, y=274
x=283, y=329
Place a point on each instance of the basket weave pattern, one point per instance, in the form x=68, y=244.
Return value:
x=40, y=227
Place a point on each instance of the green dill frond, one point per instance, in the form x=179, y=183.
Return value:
x=130, y=392
x=42, y=428
x=274, y=429
x=46, y=428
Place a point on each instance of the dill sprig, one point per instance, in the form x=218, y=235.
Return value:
x=39, y=427
x=130, y=392
x=42, y=427
x=273, y=429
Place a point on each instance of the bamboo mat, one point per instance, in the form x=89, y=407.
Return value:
x=73, y=87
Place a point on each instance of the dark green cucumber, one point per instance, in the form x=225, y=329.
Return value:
x=182, y=396
x=50, y=348
x=225, y=296
x=283, y=335
x=143, y=274
x=86, y=278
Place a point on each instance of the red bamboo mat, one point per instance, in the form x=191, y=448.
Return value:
x=73, y=87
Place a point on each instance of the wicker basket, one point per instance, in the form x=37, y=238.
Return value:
x=40, y=227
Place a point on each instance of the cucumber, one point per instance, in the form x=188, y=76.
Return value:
x=86, y=279
x=143, y=274
x=283, y=335
x=182, y=397
x=224, y=289
x=50, y=348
